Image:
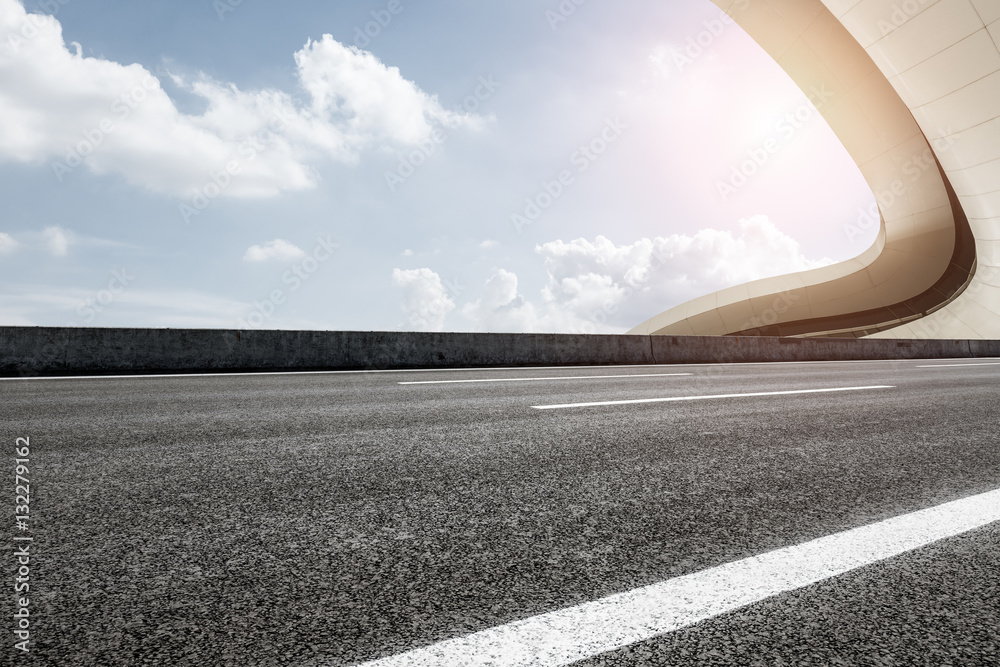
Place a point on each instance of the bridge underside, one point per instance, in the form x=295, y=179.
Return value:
x=902, y=90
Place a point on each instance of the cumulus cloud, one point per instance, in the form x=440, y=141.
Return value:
x=279, y=249
x=426, y=302
x=489, y=243
x=608, y=285
x=502, y=308
x=57, y=240
x=597, y=286
x=71, y=111
x=7, y=243
x=366, y=100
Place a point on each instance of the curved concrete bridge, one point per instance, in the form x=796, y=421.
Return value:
x=912, y=89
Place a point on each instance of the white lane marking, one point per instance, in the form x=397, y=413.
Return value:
x=174, y=375
x=672, y=399
x=957, y=365
x=575, y=633
x=568, y=377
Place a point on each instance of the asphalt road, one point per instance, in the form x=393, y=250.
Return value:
x=330, y=519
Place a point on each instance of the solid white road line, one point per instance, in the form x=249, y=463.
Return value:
x=704, y=398
x=567, y=635
x=568, y=377
x=957, y=365
x=175, y=375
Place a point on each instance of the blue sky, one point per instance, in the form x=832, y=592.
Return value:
x=391, y=164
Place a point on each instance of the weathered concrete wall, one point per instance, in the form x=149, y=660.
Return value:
x=58, y=350
x=45, y=350
x=731, y=349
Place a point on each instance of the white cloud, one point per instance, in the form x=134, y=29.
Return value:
x=352, y=90
x=62, y=108
x=489, y=243
x=406, y=253
x=57, y=240
x=7, y=244
x=597, y=286
x=425, y=300
x=620, y=286
x=279, y=249
x=501, y=308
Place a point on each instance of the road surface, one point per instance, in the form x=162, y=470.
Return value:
x=337, y=518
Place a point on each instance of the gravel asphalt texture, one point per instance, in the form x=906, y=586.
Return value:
x=938, y=606
x=330, y=519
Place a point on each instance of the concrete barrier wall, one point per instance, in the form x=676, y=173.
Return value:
x=732, y=349
x=26, y=351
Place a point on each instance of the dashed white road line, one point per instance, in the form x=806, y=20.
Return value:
x=672, y=399
x=568, y=635
x=537, y=379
